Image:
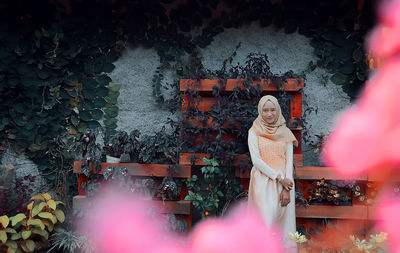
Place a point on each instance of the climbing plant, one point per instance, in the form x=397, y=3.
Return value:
x=55, y=56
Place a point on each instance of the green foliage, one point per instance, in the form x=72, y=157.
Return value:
x=217, y=188
x=25, y=231
x=111, y=109
x=69, y=241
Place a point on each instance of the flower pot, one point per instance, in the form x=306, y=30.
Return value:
x=111, y=159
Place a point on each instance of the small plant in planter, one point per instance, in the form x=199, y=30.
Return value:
x=123, y=146
x=88, y=150
x=116, y=146
x=146, y=188
x=173, y=224
x=169, y=189
x=336, y=192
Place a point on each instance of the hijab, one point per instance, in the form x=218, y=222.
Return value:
x=276, y=131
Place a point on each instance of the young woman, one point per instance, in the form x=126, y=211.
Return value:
x=271, y=188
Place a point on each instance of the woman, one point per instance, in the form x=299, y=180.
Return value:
x=271, y=179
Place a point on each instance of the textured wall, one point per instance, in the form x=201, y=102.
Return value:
x=135, y=69
x=286, y=52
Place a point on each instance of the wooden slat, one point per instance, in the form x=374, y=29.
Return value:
x=185, y=160
x=176, y=207
x=294, y=124
x=137, y=169
x=316, y=173
x=206, y=85
x=356, y=212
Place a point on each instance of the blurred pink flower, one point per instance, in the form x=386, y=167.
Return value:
x=121, y=224
x=242, y=231
x=367, y=136
x=389, y=221
x=384, y=41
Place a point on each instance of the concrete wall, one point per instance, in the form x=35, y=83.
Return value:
x=135, y=69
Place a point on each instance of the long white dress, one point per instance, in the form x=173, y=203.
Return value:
x=264, y=190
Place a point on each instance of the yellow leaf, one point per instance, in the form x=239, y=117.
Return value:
x=4, y=220
x=3, y=236
x=17, y=218
x=29, y=207
x=49, y=216
x=47, y=196
x=52, y=204
x=36, y=222
x=38, y=197
x=60, y=215
x=10, y=250
x=26, y=234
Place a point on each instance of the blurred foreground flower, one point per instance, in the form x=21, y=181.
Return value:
x=121, y=224
x=367, y=136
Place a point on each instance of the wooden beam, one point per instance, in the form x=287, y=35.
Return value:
x=176, y=207
x=316, y=173
x=206, y=85
x=138, y=169
x=185, y=160
x=356, y=212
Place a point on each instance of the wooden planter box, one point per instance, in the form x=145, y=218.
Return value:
x=138, y=169
x=176, y=207
x=179, y=207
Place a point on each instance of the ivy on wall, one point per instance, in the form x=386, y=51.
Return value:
x=55, y=56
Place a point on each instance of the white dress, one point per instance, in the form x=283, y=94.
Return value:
x=264, y=190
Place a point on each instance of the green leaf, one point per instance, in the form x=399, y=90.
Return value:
x=10, y=230
x=71, y=81
x=4, y=220
x=12, y=244
x=60, y=215
x=30, y=245
x=49, y=216
x=108, y=67
x=85, y=115
x=3, y=236
x=17, y=218
x=114, y=88
x=16, y=236
x=97, y=114
x=36, y=222
x=38, y=208
x=111, y=111
x=339, y=79
x=26, y=234
x=43, y=233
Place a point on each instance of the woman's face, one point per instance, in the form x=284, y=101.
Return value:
x=269, y=113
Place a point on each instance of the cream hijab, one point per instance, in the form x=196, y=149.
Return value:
x=276, y=131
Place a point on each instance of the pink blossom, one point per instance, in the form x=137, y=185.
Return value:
x=367, y=136
x=243, y=231
x=121, y=224
x=384, y=41
x=388, y=220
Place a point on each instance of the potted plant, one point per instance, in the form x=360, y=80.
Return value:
x=116, y=146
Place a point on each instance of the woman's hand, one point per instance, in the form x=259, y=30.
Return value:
x=284, y=197
x=287, y=184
